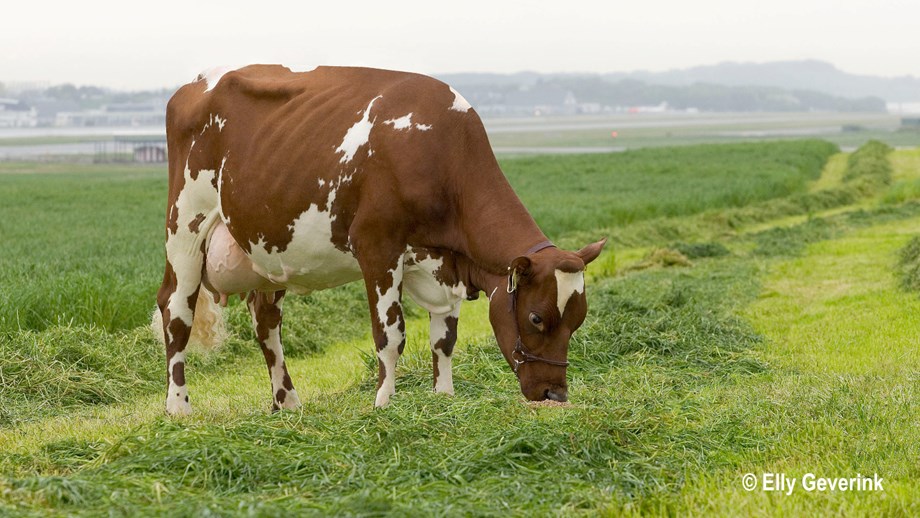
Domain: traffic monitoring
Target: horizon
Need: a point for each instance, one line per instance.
(168, 46)
(4, 81)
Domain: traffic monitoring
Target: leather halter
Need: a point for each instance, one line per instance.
(519, 349)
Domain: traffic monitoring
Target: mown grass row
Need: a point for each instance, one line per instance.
(867, 173)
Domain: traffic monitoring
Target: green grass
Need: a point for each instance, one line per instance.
(566, 193)
(788, 346)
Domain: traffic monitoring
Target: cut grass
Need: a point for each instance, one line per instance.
(429, 453)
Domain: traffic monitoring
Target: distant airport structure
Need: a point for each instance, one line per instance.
(16, 114)
(113, 115)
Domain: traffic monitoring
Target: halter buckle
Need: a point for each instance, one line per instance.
(512, 281)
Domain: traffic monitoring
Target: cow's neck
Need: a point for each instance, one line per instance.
(496, 226)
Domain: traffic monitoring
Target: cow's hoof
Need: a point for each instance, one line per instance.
(291, 402)
(383, 398)
(178, 407)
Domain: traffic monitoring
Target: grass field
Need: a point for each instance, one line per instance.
(656, 130)
(787, 346)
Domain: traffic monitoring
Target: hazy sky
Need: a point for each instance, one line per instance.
(167, 42)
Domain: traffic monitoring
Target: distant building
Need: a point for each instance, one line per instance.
(16, 114)
(114, 115)
(904, 108)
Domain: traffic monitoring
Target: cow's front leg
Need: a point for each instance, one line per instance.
(265, 309)
(443, 337)
(384, 295)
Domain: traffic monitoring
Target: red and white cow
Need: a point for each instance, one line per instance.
(283, 181)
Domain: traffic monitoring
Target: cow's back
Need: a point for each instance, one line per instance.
(300, 156)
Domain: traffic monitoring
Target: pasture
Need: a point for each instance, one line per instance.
(783, 341)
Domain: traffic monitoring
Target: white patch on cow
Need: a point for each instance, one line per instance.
(176, 396)
(460, 104)
(213, 120)
(439, 330)
(389, 353)
(220, 186)
(301, 69)
(321, 182)
(310, 261)
(213, 76)
(404, 122)
(331, 198)
(183, 248)
(422, 285)
(357, 135)
(445, 382)
(568, 284)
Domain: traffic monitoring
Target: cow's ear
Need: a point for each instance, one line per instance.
(521, 266)
(519, 270)
(590, 252)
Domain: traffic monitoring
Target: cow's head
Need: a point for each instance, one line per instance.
(543, 305)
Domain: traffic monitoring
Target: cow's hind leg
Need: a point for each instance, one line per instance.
(176, 300)
(443, 337)
(189, 217)
(265, 309)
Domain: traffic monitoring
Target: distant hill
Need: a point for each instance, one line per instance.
(810, 75)
(528, 93)
(813, 75)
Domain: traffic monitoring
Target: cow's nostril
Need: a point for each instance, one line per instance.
(561, 396)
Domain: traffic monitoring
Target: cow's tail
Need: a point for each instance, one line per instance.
(209, 331)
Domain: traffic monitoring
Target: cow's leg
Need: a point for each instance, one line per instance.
(176, 299)
(265, 309)
(189, 217)
(383, 282)
(443, 336)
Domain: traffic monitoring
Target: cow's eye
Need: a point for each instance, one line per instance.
(536, 320)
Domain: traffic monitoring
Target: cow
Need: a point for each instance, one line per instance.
(283, 181)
